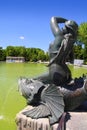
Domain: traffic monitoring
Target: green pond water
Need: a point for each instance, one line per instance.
(11, 102)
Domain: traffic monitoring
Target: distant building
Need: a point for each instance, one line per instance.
(11, 59)
(78, 62)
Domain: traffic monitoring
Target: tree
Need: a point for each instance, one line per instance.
(82, 33)
(78, 52)
(2, 54)
(10, 51)
(82, 37)
(30, 54)
(20, 51)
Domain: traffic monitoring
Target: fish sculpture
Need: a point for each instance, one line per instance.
(49, 100)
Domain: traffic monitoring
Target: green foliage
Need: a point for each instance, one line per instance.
(82, 33)
(82, 37)
(35, 54)
(15, 51)
(85, 54)
(30, 54)
(2, 54)
(78, 52)
(10, 51)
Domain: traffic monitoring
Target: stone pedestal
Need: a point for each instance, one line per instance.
(76, 121)
(72, 121)
(27, 123)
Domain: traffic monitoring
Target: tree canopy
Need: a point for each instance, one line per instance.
(82, 33)
(80, 51)
(30, 54)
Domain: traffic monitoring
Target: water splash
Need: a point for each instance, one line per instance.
(1, 117)
(6, 97)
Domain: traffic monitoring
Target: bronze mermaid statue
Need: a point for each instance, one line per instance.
(55, 92)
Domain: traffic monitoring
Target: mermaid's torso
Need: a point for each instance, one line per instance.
(54, 46)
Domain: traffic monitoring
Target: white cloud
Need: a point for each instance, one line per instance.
(21, 37)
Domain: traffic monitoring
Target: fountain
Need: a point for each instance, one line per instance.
(52, 95)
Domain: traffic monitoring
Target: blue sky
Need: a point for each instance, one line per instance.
(27, 22)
